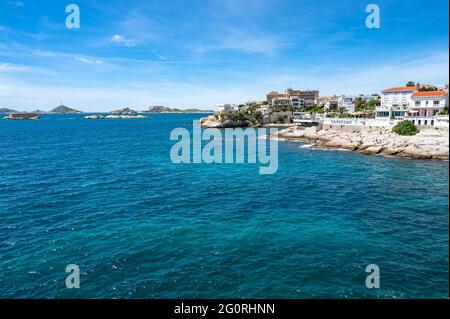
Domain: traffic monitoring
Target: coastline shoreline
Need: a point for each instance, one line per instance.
(427, 144)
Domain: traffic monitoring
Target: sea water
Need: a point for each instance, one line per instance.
(104, 195)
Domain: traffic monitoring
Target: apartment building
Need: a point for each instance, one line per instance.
(395, 102)
(294, 97)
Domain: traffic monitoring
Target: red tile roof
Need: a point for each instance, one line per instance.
(402, 88)
(430, 93)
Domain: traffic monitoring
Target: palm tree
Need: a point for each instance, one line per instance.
(359, 104)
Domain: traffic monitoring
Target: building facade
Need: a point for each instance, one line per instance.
(426, 106)
(294, 97)
(227, 108)
(346, 102)
(420, 107)
(395, 102)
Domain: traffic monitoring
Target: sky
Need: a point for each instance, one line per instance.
(200, 53)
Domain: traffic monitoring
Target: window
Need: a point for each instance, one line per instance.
(432, 122)
(426, 102)
(418, 122)
(382, 114)
(436, 103)
(417, 103)
(425, 122)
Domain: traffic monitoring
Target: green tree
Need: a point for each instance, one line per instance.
(428, 88)
(406, 128)
(342, 110)
(410, 83)
(360, 104)
(444, 111)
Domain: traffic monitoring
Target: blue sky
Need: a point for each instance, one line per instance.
(201, 53)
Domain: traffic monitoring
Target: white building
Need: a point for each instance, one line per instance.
(425, 106)
(294, 97)
(227, 108)
(281, 101)
(395, 102)
(420, 107)
(347, 103)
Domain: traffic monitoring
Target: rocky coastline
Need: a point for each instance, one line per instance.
(216, 121)
(429, 143)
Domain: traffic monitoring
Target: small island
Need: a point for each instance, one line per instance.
(125, 113)
(34, 115)
(22, 116)
(5, 110)
(62, 109)
(165, 109)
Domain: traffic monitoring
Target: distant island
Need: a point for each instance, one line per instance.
(125, 111)
(62, 109)
(5, 110)
(22, 116)
(165, 109)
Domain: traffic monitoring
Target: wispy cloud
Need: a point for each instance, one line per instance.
(244, 43)
(88, 60)
(9, 67)
(120, 39)
(16, 3)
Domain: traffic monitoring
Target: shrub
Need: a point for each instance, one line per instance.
(444, 111)
(405, 128)
(280, 119)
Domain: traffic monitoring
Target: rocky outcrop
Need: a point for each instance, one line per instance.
(22, 116)
(94, 117)
(165, 109)
(115, 117)
(427, 144)
(124, 111)
(218, 122)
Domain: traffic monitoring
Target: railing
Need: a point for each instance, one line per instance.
(358, 122)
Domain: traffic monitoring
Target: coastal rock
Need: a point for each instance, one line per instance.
(371, 150)
(22, 116)
(118, 117)
(429, 143)
(124, 111)
(213, 122)
(94, 117)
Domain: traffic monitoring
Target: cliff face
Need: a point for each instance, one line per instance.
(427, 144)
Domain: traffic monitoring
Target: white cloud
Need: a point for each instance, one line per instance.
(16, 3)
(246, 44)
(117, 38)
(89, 60)
(237, 85)
(8, 67)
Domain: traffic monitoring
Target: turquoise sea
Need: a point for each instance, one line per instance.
(103, 194)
